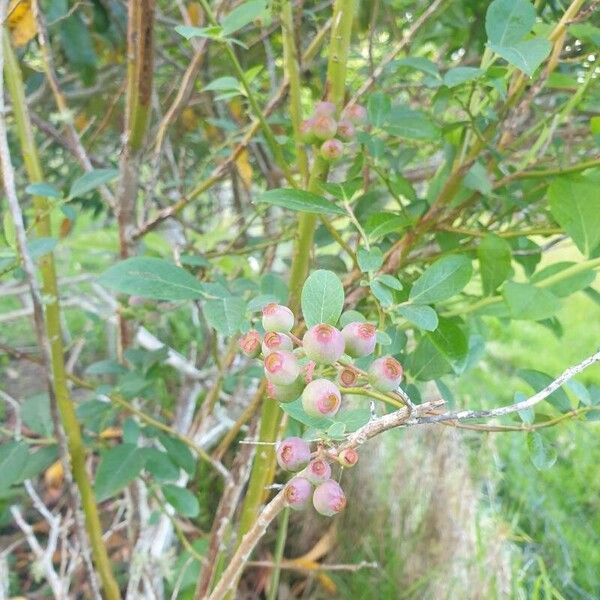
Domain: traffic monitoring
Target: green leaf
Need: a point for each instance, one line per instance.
(419, 63)
(541, 454)
(389, 281)
(423, 316)
(427, 362)
(381, 224)
(274, 285)
(91, 180)
(37, 462)
(351, 316)
(378, 108)
(118, 467)
(322, 298)
(13, 458)
(494, 254)
(382, 292)
(222, 84)
(300, 201)
(575, 204)
(43, 189)
(509, 21)
(189, 32)
(369, 260)
(527, 302)
(538, 381)
(160, 465)
(35, 412)
(226, 315)
(450, 339)
(39, 247)
(527, 55)
(179, 453)
(568, 285)
(477, 179)
(182, 500)
(443, 279)
(242, 15)
(411, 124)
(152, 278)
(459, 75)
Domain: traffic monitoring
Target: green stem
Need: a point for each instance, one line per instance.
(279, 548)
(263, 467)
(292, 69)
(75, 446)
(359, 391)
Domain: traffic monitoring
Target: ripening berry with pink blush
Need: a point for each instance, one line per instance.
(277, 318)
(293, 454)
(348, 457)
(281, 367)
(323, 343)
(306, 132)
(324, 127)
(355, 113)
(347, 377)
(360, 338)
(332, 150)
(276, 341)
(321, 398)
(385, 374)
(329, 498)
(346, 130)
(250, 344)
(325, 108)
(318, 471)
(297, 492)
(285, 393)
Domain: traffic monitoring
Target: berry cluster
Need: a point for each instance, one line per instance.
(307, 372)
(323, 130)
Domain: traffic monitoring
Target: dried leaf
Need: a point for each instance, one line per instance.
(21, 22)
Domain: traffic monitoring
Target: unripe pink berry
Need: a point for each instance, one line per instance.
(277, 318)
(348, 457)
(250, 344)
(281, 367)
(309, 371)
(329, 498)
(318, 471)
(346, 130)
(355, 113)
(324, 127)
(332, 150)
(276, 341)
(385, 374)
(360, 338)
(285, 393)
(306, 132)
(323, 343)
(293, 454)
(347, 377)
(325, 108)
(321, 398)
(297, 493)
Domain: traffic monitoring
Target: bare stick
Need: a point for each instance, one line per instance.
(463, 415)
(231, 574)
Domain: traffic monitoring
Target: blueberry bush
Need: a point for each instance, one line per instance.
(243, 239)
